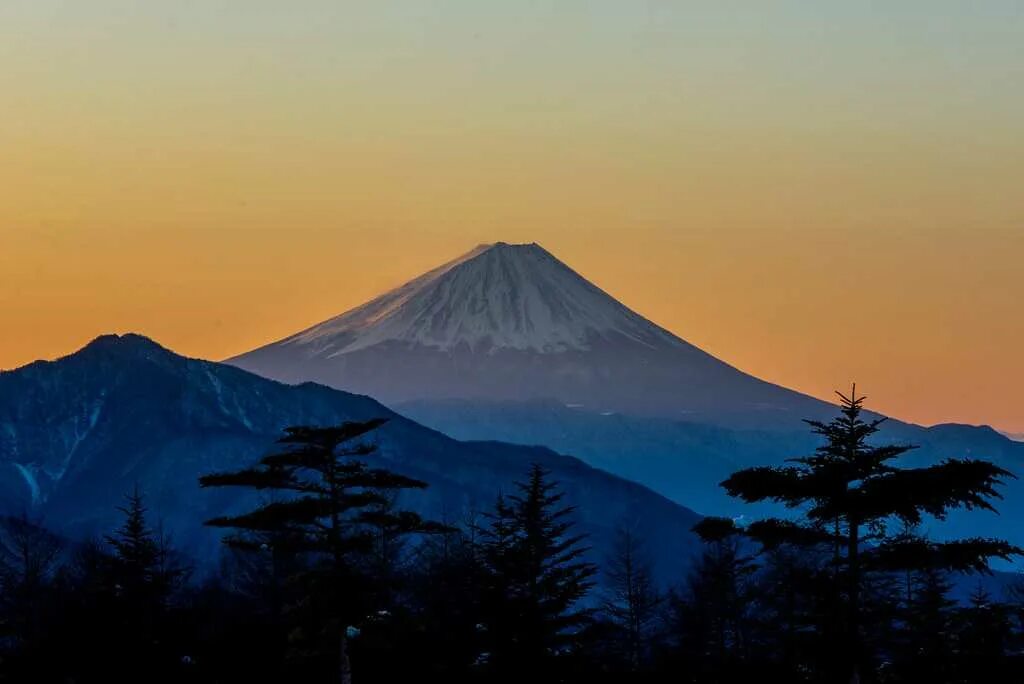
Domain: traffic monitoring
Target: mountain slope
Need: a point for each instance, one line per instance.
(685, 461)
(508, 343)
(494, 297)
(512, 322)
(77, 433)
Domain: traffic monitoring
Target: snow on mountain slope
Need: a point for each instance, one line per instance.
(498, 296)
(512, 322)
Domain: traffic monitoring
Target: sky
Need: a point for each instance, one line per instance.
(815, 192)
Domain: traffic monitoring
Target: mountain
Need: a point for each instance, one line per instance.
(76, 434)
(685, 461)
(512, 323)
(507, 342)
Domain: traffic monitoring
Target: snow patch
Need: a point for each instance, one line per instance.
(218, 389)
(79, 436)
(30, 480)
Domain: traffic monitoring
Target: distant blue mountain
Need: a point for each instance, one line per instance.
(685, 461)
(507, 342)
(76, 434)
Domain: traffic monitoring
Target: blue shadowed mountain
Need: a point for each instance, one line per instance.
(507, 342)
(79, 432)
(685, 461)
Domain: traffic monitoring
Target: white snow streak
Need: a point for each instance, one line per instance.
(94, 416)
(218, 388)
(30, 480)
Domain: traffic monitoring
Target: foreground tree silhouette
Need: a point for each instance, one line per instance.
(329, 508)
(849, 493)
(29, 555)
(534, 579)
(145, 573)
(146, 568)
(631, 597)
(713, 616)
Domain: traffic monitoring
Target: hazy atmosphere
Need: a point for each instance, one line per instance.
(815, 193)
(503, 341)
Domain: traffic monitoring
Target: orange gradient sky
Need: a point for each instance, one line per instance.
(814, 192)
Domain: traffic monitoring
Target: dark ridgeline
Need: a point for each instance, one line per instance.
(79, 432)
(328, 578)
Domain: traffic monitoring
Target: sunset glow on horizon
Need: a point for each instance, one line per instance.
(814, 194)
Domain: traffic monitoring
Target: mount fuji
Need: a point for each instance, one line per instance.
(507, 342)
(513, 323)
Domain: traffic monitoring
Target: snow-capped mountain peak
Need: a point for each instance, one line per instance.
(496, 296)
(511, 322)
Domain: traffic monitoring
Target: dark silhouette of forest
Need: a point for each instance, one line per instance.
(327, 578)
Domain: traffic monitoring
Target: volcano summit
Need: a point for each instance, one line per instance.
(512, 322)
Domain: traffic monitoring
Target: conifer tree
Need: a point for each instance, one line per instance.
(982, 639)
(631, 598)
(145, 572)
(330, 506)
(535, 578)
(147, 569)
(793, 604)
(135, 547)
(924, 643)
(849, 493)
(448, 595)
(714, 613)
(29, 555)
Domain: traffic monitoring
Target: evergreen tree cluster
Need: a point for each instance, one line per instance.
(330, 577)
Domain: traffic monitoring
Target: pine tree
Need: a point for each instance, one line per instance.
(147, 569)
(135, 547)
(535, 578)
(848, 493)
(924, 642)
(330, 508)
(449, 588)
(983, 635)
(144, 574)
(714, 612)
(793, 603)
(29, 555)
(389, 529)
(631, 597)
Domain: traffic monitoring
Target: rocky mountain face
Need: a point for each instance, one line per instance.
(79, 432)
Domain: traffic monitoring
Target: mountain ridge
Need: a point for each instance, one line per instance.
(124, 410)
